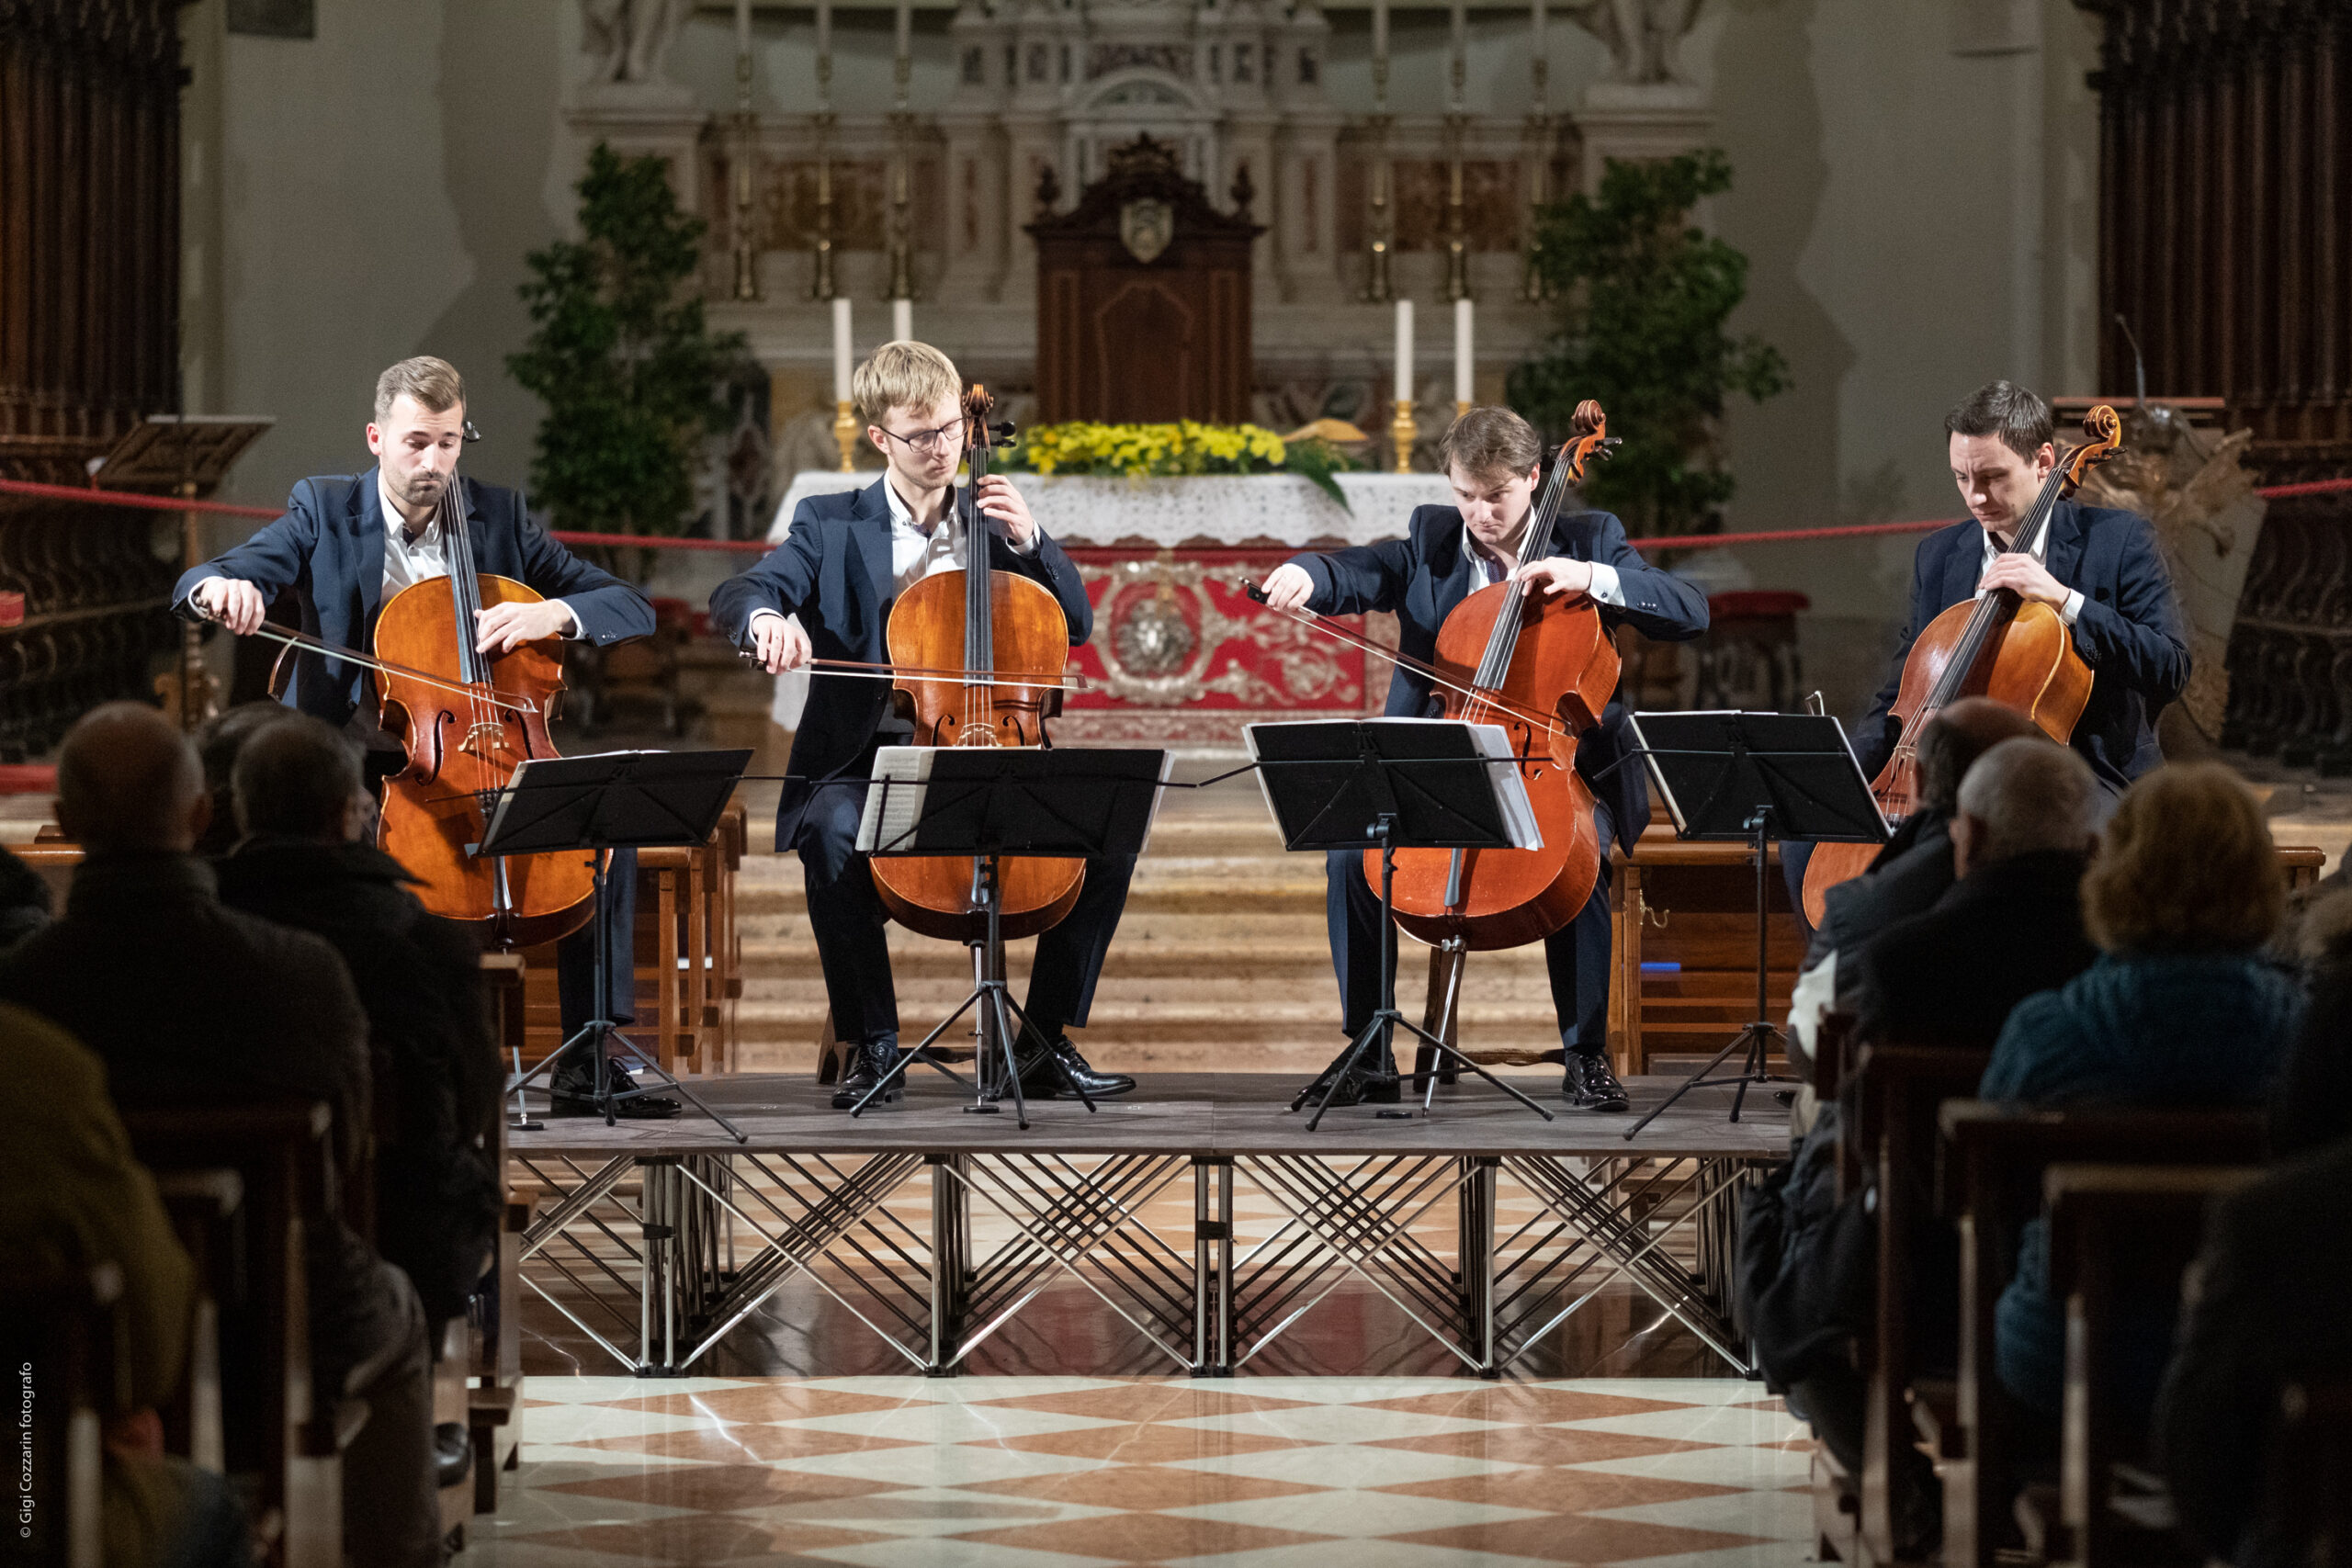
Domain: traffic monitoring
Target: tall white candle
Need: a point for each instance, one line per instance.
(825, 54)
(1457, 62)
(906, 28)
(1380, 31)
(1404, 349)
(841, 348)
(902, 320)
(742, 26)
(1536, 11)
(1465, 365)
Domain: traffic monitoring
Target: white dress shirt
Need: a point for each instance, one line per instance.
(917, 550)
(2067, 611)
(408, 562)
(1605, 590)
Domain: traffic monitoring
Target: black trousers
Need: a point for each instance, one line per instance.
(1576, 954)
(847, 916)
(575, 955)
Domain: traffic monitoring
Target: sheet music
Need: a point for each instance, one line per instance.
(1491, 740)
(892, 812)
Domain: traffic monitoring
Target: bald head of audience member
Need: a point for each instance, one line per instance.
(2024, 796)
(129, 782)
(298, 779)
(1955, 738)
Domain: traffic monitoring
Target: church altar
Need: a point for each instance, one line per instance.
(1181, 655)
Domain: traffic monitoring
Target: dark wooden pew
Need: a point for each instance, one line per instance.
(1890, 1142)
(64, 1328)
(279, 1429)
(2117, 1233)
(1991, 1160)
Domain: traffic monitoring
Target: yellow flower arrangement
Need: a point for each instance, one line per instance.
(1146, 451)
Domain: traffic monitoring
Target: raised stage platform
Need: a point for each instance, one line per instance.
(675, 1226)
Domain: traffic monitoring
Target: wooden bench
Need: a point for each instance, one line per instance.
(1889, 1142)
(2117, 1234)
(64, 1328)
(1990, 1164)
(279, 1428)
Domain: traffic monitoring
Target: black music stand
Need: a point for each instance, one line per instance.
(609, 801)
(1758, 776)
(988, 802)
(1420, 784)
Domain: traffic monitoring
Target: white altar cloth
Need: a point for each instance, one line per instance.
(1225, 509)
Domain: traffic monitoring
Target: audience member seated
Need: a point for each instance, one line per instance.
(1910, 873)
(2181, 1010)
(2019, 827)
(2312, 1107)
(298, 798)
(188, 1001)
(217, 745)
(2025, 825)
(2264, 1309)
(75, 1198)
(25, 903)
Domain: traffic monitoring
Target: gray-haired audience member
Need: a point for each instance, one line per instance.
(188, 1001)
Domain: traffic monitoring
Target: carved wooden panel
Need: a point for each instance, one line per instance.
(89, 343)
(2226, 241)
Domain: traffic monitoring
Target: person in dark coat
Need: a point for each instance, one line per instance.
(1493, 459)
(349, 543)
(1910, 873)
(2022, 833)
(188, 1001)
(436, 1070)
(827, 593)
(2182, 1011)
(2262, 1310)
(2098, 567)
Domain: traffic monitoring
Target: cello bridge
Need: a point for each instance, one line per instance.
(481, 739)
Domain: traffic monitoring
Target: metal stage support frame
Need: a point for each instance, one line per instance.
(674, 1250)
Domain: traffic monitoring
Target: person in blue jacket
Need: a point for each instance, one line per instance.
(349, 543)
(1493, 459)
(2099, 567)
(826, 592)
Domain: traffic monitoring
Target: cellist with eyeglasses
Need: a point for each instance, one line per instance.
(1493, 460)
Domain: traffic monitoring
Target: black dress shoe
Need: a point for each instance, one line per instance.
(1040, 1080)
(573, 1093)
(873, 1061)
(1591, 1085)
(1371, 1081)
(453, 1453)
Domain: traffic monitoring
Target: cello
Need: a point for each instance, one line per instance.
(1010, 635)
(466, 720)
(1544, 671)
(1999, 646)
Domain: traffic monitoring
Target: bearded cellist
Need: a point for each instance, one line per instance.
(347, 544)
(1493, 459)
(2098, 567)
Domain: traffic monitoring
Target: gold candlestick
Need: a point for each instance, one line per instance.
(1460, 407)
(845, 434)
(1402, 431)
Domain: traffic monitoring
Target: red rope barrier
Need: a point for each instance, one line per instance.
(760, 546)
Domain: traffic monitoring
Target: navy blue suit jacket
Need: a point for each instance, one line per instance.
(1420, 579)
(2128, 632)
(833, 571)
(329, 548)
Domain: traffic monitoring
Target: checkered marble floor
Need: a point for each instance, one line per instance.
(1072, 1471)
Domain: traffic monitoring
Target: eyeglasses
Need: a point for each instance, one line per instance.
(927, 441)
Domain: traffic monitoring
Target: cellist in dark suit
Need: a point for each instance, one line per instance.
(1493, 457)
(826, 592)
(2100, 569)
(349, 542)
